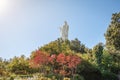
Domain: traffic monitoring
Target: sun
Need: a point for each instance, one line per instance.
(3, 6)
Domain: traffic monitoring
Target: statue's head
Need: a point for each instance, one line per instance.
(65, 22)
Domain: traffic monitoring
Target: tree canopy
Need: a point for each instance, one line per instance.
(67, 47)
(112, 34)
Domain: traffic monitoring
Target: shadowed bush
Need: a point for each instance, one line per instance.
(88, 71)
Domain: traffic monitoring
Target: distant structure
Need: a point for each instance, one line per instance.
(64, 31)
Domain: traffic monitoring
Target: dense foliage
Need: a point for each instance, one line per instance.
(19, 65)
(112, 35)
(60, 64)
(98, 52)
(69, 60)
(67, 47)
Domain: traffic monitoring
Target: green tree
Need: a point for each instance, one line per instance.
(107, 61)
(98, 51)
(3, 68)
(112, 34)
(77, 46)
(19, 65)
(112, 37)
(67, 47)
(56, 47)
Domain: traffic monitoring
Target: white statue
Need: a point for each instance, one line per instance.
(64, 31)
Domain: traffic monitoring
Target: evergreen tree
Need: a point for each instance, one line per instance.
(112, 37)
(112, 34)
(77, 46)
(98, 51)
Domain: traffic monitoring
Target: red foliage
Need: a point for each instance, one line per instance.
(63, 72)
(69, 62)
(61, 59)
(39, 59)
(72, 61)
(52, 59)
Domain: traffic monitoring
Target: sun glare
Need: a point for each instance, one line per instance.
(3, 6)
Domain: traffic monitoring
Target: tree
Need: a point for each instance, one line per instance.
(112, 34)
(56, 47)
(112, 37)
(19, 65)
(67, 64)
(59, 64)
(67, 47)
(107, 61)
(98, 51)
(3, 67)
(77, 46)
(39, 61)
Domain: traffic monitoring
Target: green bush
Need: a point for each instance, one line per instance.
(78, 77)
(88, 71)
(24, 76)
(11, 78)
(115, 69)
(109, 76)
(4, 78)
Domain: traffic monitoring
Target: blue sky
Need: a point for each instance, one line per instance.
(26, 25)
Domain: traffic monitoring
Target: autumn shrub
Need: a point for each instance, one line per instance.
(67, 64)
(55, 64)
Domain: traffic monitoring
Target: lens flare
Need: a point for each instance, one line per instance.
(3, 6)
